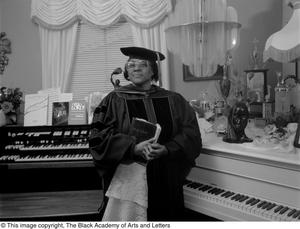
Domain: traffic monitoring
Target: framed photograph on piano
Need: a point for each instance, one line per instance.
(256, 84)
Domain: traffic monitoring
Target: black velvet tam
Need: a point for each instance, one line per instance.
(142, 53)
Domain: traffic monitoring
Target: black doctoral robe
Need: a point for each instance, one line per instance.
(110, 143)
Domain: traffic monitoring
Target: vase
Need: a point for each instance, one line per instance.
(11, 118)
(2, 118)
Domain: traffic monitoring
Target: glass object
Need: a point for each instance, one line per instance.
(282, 96)
(204, 102)
(137, 63)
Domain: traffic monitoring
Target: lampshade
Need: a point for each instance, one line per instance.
(284, 45)
(202, 33)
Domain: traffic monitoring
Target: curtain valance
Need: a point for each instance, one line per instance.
(59, 14)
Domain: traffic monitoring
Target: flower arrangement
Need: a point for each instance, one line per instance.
(10, 99)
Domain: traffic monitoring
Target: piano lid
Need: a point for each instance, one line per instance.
(274, 154)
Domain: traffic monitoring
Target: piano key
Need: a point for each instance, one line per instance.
(284, 216)
(237, 202)
(215, 195)
(266, 205)
(289, 214)
(240, 198)
(253, 207)
(242, 202)
(256, 208)
(278, 208)
(256, 201)
(250, 201)
(194, 185)
(205, 188)
(226, 193)
(297, 214)
(281, 214)
(283, 210)
(292, 211)
(229, 194)
(261, 204)
(263, 211)
(212, 190)
(294, 216)
(197, 185)
(220, 191)
(269, 211)
(271, 206)
(244, 198)
(235, 196)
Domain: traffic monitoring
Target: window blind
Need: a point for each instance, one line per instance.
(96, 56)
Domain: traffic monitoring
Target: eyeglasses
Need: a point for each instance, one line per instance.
(137, 63)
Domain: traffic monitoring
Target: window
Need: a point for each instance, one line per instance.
(97, 55)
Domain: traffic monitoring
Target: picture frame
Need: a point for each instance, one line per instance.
(188, 76)
(297, 136)
(256, 81)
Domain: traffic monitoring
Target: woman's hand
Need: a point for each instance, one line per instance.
(155, 150)
(139, 149)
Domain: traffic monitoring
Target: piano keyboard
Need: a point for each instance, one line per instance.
(229, 205)
(46, 157)
(48, 147)
(45, 144)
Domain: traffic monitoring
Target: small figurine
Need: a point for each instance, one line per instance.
(255, 55)
(268, 95)
(237, 122)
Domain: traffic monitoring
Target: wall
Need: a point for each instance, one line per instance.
(1, 16)
(259, 19)
(25, 67)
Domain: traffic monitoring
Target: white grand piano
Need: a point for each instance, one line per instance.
(242, 182)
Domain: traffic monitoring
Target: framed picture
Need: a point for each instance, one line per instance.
(256, 84)
(188, 76)
(297, 137)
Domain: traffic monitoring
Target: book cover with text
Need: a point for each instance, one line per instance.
(77, 112)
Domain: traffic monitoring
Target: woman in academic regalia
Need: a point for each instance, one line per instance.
(144, 180)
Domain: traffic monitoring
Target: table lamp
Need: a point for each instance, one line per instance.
(284, 46)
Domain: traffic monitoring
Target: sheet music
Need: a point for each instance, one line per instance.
(35, 111)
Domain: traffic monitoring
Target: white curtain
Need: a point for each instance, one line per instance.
(154, 38)
(61, 13)
(58, 48)
(58, 20)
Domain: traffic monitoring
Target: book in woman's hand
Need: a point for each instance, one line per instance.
(144, 130)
